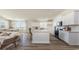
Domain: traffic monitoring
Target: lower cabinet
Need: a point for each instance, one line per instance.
(72, 38)
(64, 36)
(61, 35)
(41, 37)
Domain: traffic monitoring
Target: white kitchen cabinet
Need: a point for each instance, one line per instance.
(71, 18)
(68, 19)
(64, 36)
(40, 37)
(61, 35)
(76, 17)
(72, 38)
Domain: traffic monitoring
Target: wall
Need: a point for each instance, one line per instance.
(32, 24)
(50, 27)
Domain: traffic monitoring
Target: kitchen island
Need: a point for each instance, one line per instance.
(41, 36)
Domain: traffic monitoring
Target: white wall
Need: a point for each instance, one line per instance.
(50, 27)
(32, 24)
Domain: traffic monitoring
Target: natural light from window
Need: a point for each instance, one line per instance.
(20, 25)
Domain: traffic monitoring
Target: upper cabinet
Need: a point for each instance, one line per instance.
(71, 18)
(68, 19)
(76, 17)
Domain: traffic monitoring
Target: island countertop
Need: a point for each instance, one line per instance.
(40, 31)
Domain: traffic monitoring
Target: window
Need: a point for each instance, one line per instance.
(4, 24)
(19, 25)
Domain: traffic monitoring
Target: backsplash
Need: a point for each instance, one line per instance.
(74, 28)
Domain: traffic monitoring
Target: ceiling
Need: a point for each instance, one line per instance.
(30, 14)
